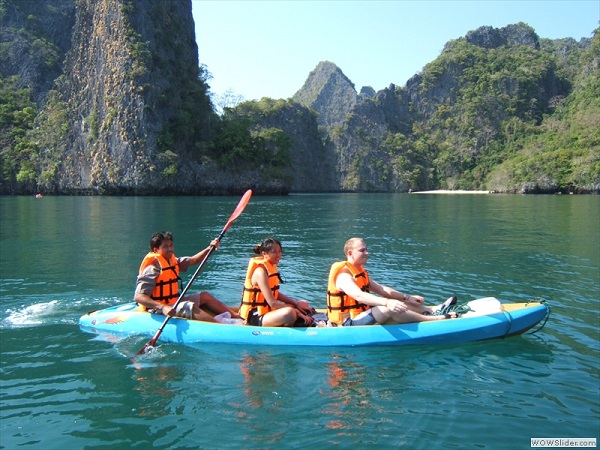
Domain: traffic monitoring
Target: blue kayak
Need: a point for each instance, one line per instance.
(504, 319)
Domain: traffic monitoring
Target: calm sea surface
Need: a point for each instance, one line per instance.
(64, 389)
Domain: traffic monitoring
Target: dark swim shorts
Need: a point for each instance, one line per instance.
(365, 318)
(254, 319)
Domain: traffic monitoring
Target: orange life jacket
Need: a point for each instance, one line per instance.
(339, 305)
(166, 289)
(252, 296)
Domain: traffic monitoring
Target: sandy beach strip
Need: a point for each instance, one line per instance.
(447, 191)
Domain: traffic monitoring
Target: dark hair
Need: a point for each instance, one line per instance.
(157, 239)
(267, 245)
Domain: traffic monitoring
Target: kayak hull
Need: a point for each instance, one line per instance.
(127, 319)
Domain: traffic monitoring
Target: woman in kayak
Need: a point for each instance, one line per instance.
(263, 304)
(351, 299)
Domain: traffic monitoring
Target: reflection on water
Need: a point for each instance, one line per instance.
(153, 387)
(345, 378)
(259, 378)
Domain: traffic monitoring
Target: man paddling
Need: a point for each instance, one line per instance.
(351, 298)
(158, 279)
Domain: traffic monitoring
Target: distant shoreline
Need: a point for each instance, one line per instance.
(447, 191)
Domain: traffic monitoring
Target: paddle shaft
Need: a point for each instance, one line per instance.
(238, 210)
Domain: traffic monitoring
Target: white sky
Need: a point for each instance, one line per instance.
(268, 48)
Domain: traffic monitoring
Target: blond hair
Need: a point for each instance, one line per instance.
(351, 243)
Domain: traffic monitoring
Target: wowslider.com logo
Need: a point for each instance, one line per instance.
(563, 442)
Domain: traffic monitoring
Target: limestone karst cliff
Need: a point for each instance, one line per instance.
(108, 97)
(468, 119)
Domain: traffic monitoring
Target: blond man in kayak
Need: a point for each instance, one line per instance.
(355, 299)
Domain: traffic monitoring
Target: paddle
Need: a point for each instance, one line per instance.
(238, 210)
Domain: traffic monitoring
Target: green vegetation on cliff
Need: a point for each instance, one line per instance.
(509, 108)
(17, 115)
(563, 153)
(499, 109)
(117, 103)
(241, 144)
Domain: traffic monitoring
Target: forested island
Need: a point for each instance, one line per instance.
(107, 97)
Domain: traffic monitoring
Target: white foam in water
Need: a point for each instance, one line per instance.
(32, 314)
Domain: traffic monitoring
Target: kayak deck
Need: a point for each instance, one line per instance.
(127, 319)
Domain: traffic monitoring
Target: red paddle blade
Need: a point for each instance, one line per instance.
(238, 210)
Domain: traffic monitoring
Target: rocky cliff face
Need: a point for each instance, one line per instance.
(312, 167)
(132, 104)
(124, 109)
(123, 88)
(354, 125)
(329, 92)
(35, 38)
(512, 35)
(429, 132)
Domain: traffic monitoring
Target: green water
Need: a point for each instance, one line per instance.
(63, 389)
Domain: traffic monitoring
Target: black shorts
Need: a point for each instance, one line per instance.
(254, 319)
(364, 318)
